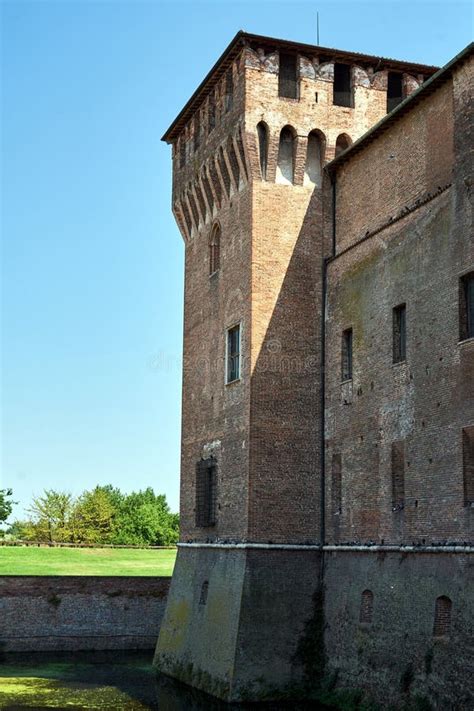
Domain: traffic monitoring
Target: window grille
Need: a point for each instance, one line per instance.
(206, 492)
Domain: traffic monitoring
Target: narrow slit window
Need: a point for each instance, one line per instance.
(342, 85)
(204, 592)
(394, 90)
(466, 306)
(215, 250)
(346, 373)
(442, 619)
(399, 333)
(398, 475)
(366, 607)
(233, 354)
(229, 90)
(336, 484)
(468, 465)
(182, 152)
(262, 132)
(206, 492)
(211, 124)
(288, 76)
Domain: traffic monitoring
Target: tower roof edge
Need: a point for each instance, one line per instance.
(243, 38)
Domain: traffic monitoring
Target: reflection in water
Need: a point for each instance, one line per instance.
(103, 680)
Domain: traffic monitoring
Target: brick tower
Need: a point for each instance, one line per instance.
(242, 620)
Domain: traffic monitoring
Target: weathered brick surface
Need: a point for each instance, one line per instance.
(396, 656)
(80, 612)
(413, 158)
(428, 399)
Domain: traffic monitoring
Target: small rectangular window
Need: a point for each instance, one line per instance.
(346, 373)
(206, 489)
(399, 333)
(342, 95)
(466, 306)
(394, 90)
(336, 484)
(398, 475)
(288, 76)
(233, 353)
(468, 465)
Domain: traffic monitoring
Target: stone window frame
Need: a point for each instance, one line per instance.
(236, 326)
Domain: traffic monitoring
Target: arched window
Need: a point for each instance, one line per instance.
(286, 156)
(262, 132)
(343, 142)
(214, 249)
(366, 606)
(442, 620)
(314, 159)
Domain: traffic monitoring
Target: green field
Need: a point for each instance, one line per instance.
(85, 561)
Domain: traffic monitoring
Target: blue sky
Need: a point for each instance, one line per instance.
(92, 262)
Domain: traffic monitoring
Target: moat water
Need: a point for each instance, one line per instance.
(103, 680)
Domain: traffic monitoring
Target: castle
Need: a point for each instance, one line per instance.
(327, 480)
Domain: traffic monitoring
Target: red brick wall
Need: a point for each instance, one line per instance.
(427, 400)
(412, 158)
(80, 612)
(263, 430)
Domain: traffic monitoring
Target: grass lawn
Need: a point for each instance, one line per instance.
(85, 561)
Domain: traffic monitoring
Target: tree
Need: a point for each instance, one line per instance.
(93, 516)
(144, 518)
(50, 516)
(6, 504)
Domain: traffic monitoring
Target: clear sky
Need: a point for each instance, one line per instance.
(92, 262)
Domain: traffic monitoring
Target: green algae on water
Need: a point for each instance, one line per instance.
(49, 693)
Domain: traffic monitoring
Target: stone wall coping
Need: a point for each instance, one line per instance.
(331, 548)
